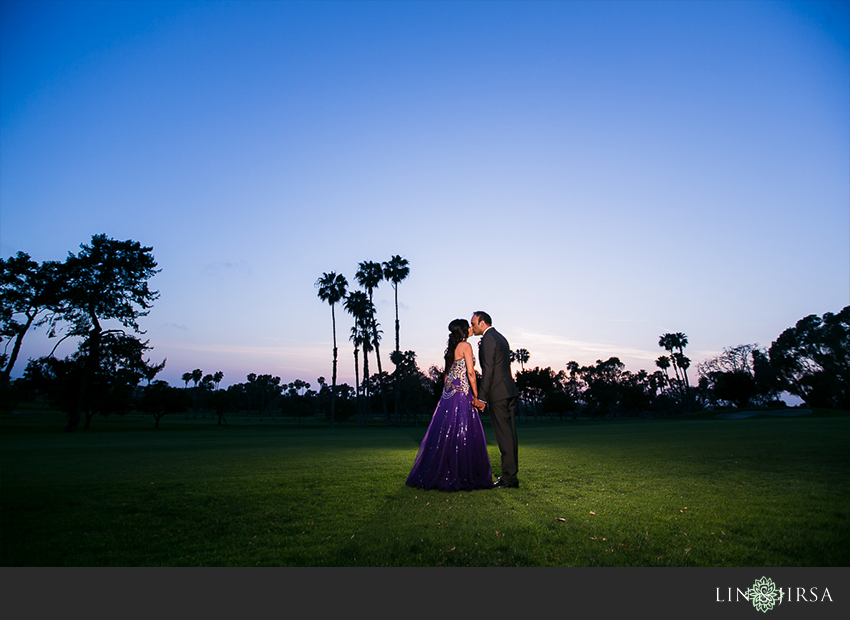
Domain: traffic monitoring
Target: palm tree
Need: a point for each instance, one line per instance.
(684, 363)
(395, 270)
(366, 342)
(521, 356)
(675, 343)
(217, 377)
(360, 339)
(356, 304)
(187, 376)
(680, 341)
(369, 276)
(357, 339)
(666, 343)
(332, 289)
(196, 376)
(663, 363)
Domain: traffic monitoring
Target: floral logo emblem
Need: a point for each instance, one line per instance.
(764, 594)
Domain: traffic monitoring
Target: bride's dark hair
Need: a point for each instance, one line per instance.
(458, 332)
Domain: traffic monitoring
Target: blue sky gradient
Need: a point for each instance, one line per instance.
(593, 174)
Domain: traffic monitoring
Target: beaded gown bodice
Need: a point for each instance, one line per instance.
(457, 381)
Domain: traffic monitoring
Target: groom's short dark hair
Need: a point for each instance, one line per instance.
(483, 317)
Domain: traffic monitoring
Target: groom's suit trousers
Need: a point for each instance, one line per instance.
(502, 417)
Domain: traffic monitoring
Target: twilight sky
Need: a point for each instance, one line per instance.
(592, 174)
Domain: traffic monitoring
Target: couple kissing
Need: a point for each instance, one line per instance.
(453, 454)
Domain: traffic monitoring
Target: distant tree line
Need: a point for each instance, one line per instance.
(98, 294)
(810, 360)
(266, 396)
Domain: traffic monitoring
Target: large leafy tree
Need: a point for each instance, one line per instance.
(111, 386)
(28, 290)
(105, 284)
(414, 387)
(740, 375)
(332, 289)
(611, 389)
(534, 385)
(395, 270)
(735, 386)
(160, 399)
(603, 379)
(812, 359)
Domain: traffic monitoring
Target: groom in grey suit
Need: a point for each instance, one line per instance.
(498, 391)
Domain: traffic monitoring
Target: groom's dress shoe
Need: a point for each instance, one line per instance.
(503, 484)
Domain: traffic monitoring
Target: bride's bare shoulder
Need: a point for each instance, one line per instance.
(461, 348)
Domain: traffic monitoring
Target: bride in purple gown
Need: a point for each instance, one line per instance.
(453, 455)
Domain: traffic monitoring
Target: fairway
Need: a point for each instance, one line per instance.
(701, 492)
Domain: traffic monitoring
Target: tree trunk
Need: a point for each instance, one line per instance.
(395, 288)
(397, 402)
(333, 377)
(19, 339)
(365, 384)
(378, 353)
(358, 404)
(364, 403)
(92, 361)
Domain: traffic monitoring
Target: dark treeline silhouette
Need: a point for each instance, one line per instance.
(265, 397)
(810, 360)
(98, 295)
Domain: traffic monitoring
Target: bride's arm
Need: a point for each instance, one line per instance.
(470, 368)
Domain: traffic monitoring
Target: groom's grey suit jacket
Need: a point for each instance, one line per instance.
(494, 354)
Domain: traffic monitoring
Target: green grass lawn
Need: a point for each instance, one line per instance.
(700, 492)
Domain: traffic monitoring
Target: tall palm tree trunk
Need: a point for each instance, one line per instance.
(356, 374)
(333, 376)
(396, 387)
(395, 288)
(365, 372)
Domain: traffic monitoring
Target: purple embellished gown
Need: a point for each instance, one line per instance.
(453, 455)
